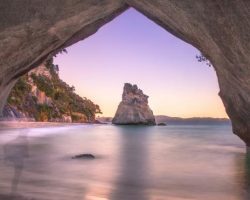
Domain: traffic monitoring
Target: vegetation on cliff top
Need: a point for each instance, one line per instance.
(62, 101)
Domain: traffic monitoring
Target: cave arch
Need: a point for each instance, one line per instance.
(220, 30)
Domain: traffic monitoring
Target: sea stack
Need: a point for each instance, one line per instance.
(134, 108)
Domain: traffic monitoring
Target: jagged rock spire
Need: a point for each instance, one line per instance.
(134, 108)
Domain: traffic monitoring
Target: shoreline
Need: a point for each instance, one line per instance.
(26, 124)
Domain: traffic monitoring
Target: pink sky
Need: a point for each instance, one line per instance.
(131, 48)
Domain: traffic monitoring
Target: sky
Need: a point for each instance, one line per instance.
(134, 49)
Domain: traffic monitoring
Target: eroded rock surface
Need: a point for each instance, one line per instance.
(42, 29)
(134, 108)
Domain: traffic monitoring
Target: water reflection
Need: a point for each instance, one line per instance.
(133, 174)
(15, 154)
(132, 163)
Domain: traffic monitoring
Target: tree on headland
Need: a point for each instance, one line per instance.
(61, 51)
(202, 58)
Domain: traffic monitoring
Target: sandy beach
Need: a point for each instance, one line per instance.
(21, 124)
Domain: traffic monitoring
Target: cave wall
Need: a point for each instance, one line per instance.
(221, 31)
(31, 31)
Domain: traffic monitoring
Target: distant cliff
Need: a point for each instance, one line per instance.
(181, 121)
(191, 121)
(41, 95)
(134, 108)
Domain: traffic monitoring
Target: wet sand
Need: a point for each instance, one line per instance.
(15, 197)
(22, 124)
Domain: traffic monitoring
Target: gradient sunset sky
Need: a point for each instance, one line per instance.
(133, 49)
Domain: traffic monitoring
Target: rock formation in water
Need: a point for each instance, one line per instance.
(134, 108)
(84, 156)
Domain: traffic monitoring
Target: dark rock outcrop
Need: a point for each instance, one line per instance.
(10, 112)
(13, 114)
(133, 108)
(84, 156)
(162, 124)
(219, 29)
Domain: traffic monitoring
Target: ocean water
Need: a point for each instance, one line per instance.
(132, 163)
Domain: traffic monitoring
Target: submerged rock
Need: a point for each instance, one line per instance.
(84, 156)
(134, 108)
(162, 124)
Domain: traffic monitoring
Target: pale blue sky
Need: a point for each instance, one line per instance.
(131, 48)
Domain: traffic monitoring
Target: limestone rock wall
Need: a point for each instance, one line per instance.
(33, 31)
(134, 108)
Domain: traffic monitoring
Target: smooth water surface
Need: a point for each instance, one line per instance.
(132, 163)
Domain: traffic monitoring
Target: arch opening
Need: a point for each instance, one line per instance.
(146, 55)
(163, 66)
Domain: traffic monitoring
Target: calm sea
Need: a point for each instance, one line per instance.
(132, 163)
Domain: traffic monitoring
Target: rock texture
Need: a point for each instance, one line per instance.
(133, 108)
(11, 113)
(219, 29)
(42, 29)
